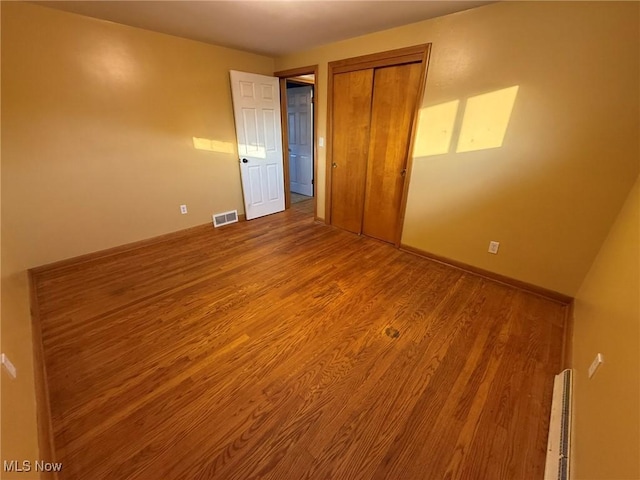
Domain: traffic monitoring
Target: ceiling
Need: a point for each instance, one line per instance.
(265, 26)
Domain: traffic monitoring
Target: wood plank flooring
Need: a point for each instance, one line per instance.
(260, 350)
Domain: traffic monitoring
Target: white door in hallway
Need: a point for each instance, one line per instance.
(300, 123)
(256, 107)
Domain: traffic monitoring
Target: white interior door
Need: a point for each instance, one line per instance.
(256, 107)
(299, 120)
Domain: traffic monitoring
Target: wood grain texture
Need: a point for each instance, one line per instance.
(46, 445)
(412, 54)
(567, 344)
(258, 350)
(284, 125)
(395, 94)
(297, 72)
(351, 110)
(306, 206)
(387, 58)
(527, 287)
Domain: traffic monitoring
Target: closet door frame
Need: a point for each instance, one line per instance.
(414, 54)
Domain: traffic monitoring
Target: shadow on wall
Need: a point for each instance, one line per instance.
(492, 201)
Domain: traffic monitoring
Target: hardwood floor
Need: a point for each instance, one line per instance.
(260, 350)
(297, 198)
(305, 206)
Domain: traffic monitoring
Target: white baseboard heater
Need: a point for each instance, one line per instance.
(559, 442)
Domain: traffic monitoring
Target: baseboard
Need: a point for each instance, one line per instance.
(46, 443)
(567, 340)
(527, 287)
(71, 262)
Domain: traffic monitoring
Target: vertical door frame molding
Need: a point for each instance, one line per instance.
(414, 54)
(283, 75)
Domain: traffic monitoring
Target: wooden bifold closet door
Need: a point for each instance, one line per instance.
(372, 113)
(352, 92)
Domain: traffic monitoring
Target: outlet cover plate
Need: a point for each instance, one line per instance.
(493, 247)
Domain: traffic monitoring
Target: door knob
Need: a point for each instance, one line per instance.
(244, 160)
(403, 172)
(334, 165)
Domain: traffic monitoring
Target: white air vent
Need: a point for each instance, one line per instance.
(224, 218)
(559, 443)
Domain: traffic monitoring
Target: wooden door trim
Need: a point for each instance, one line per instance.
(328, 145)
(399, 56)
(412, 136)
(301, 80)
(296, 72)
(46, 443)
(284, 75)
(413, 54)
(496, 277)
(284, 122)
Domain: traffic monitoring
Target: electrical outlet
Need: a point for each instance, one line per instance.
(9, 367)
(321, 141)
(183, 209)
(493, 247)
(595, 364)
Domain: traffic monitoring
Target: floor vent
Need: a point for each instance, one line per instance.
(225, 218)
(559, 442)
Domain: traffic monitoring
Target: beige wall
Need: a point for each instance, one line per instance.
(19, 440)
(606, 431)
(97, 151)
(570, 154)
(98, 126)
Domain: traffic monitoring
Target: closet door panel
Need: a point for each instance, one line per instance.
(395, 94)
(351, 112)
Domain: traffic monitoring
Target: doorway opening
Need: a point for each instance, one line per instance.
(299, 138)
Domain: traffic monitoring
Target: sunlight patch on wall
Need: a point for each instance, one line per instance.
(485, 120)
(435, 129)
(212, 145)
(484, 124)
